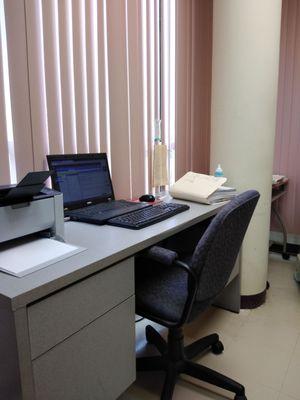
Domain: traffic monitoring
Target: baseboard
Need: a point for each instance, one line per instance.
(253, 301)
(291, 238)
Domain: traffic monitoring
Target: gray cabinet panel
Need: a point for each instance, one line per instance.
(10, 384)
(96, 363)
(58, 316)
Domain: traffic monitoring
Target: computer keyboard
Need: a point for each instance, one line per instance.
(149, 216)
(100, 213)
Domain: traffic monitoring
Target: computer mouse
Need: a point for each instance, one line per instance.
(149, 198)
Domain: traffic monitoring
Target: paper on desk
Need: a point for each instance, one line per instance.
(196, 187)
(28, 256)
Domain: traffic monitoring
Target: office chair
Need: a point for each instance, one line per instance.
(173, 290)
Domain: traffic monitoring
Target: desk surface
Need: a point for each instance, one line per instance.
(105, 245)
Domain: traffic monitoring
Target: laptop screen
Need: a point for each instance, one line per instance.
(82, 178)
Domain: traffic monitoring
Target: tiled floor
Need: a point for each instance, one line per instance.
(262, 347)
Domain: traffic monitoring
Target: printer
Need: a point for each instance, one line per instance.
(29, 208)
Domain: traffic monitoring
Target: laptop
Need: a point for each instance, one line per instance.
(84, 180)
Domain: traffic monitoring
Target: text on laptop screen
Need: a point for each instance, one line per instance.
(82, 180)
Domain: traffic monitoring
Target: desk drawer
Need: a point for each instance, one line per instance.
(58, 316)
(98, 362)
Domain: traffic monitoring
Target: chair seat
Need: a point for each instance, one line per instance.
(161, 289)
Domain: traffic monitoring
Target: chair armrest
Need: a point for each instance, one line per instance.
(193, 287)
(170, 258)
(190, 272)
(161, 255)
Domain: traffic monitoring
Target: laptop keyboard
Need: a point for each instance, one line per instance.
(102, 207)
(100, 213)
(149, 216)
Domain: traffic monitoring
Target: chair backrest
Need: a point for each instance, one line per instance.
(215, 254)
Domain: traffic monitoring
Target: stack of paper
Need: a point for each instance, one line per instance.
(27, 256)
(277, 178)
(202, 188)
(224, 193)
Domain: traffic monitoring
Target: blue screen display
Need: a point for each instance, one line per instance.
(83, 180)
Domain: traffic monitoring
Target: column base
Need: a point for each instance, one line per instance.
(253, 300)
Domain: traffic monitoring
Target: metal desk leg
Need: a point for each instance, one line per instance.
(285, 255)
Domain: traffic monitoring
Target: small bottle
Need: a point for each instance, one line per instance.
(219, 171)
(157, 130)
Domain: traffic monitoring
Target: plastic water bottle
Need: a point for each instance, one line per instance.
(219, 172)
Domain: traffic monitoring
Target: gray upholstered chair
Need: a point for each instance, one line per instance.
(172, 290)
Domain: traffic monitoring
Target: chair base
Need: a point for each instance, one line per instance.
(175, 359)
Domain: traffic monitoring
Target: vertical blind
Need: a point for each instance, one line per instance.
(83, 78)
(96, 75)
(4, 158)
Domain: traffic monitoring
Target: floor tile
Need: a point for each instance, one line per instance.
(146, 387)
(194, 390)
(253, 364)
(282, 305)
(281, 272)
(260, 392)
(297, 348)
(216, 320)
(281, 336)
(283, 396)
(253, 392)
(291, 384)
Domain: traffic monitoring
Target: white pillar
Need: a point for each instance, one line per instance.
(246, 37)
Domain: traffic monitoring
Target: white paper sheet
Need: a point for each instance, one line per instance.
(29, 256)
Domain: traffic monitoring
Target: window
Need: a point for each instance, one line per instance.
(95, 76)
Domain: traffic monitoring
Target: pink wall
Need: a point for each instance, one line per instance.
(287, 145)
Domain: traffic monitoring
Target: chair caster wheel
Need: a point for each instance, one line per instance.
(217, 348)
(285, 256)
(240, 397)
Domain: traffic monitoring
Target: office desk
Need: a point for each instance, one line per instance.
(67, 331)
